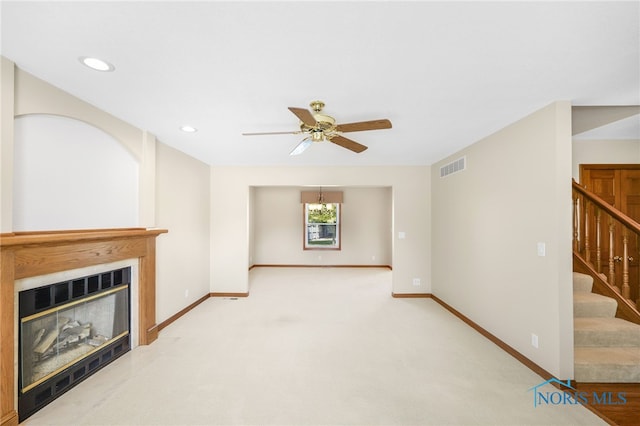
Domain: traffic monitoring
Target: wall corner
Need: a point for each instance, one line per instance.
(147, 181)
(7, 96)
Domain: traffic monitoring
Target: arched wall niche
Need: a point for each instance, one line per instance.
(33, 96)
(36, 96)
(71, 175)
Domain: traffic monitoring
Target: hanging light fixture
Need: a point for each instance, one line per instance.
(320, 197)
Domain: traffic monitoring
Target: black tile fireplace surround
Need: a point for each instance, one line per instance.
(69, 330)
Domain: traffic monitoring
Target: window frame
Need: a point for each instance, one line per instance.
(305, 234)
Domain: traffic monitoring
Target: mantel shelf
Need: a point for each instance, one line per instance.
(70, 236)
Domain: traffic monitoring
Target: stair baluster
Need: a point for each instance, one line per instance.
(587, 240)
(598, 240)
(626, 290)
(590, 213)
(576, 223)
(612, 262)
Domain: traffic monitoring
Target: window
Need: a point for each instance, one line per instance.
(322, 226)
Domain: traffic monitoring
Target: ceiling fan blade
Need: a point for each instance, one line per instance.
(348, 143)
(301, 147)
(304, 115)
(272, 133)
(364, 125)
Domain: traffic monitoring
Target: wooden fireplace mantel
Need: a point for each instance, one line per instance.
(30, 254)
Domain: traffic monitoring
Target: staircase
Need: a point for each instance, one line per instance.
(607, 349)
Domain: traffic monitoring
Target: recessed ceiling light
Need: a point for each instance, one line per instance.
(96, 64)
(188, 129)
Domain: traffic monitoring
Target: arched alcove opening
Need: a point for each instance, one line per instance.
(71, 175)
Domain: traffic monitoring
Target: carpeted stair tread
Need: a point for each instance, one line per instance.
(612, 365)
(602, 332)
(593, 305)
(582, 282)
(606, 348)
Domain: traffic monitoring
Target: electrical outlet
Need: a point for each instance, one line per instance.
(542, 249)
(534, 340)
(373, 257)
(416, 282)
(186, 293)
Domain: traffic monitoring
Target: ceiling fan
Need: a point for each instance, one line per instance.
(320, 127)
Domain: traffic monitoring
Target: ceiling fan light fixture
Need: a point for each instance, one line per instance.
(96, 64)
(301, 147)
(316, 106)
(321, 127)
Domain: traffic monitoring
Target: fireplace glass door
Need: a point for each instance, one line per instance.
(67, 331)
(57, 338)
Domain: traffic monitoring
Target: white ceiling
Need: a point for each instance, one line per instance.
(445, 73)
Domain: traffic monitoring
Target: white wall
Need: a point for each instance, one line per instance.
(365, 228)
(252, 226)
(33, 96)
(487, 222)
(182, 207)
(177, 190)
(604, 152)
(230, 212)
(7, 104)
(71, 175)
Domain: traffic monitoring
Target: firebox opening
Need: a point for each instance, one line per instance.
(68, 331)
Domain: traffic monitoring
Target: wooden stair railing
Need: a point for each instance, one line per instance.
(598, 228)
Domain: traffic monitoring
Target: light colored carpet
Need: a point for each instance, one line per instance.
(607, 349)
(590, 305)
(317, 346)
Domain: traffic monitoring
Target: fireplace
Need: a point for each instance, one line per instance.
(38, 257)
(68, 331)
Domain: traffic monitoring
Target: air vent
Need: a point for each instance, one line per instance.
(453, 167)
